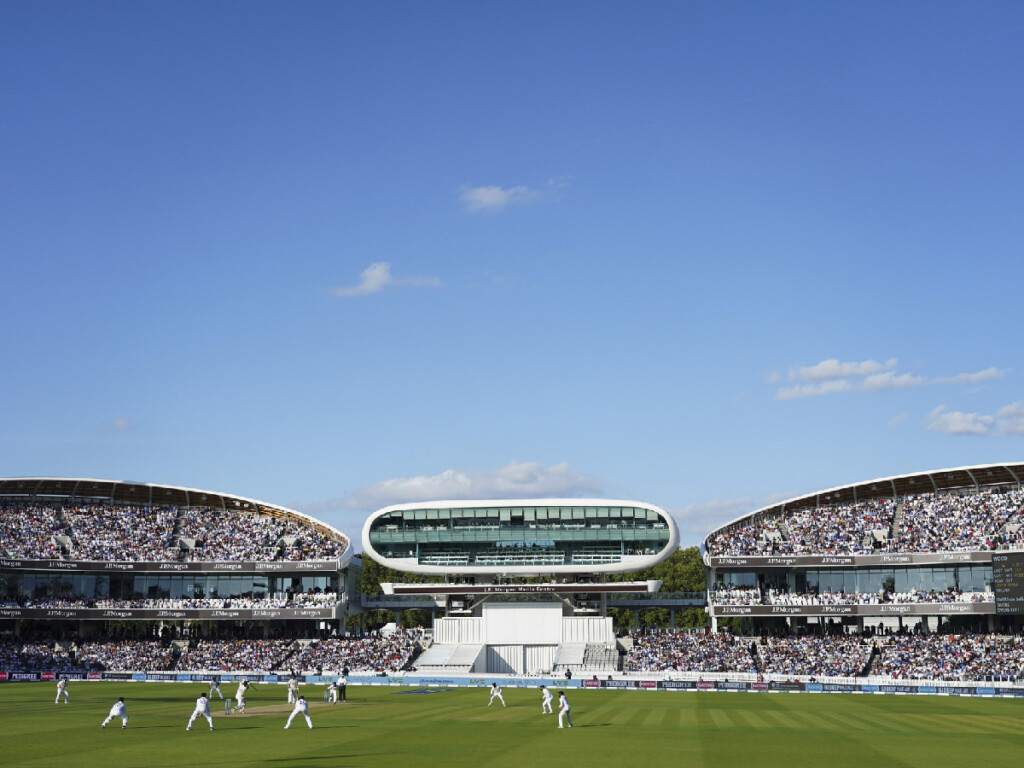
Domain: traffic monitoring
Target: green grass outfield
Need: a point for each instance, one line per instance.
(382, 726)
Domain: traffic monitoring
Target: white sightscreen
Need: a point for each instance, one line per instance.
(523, 623)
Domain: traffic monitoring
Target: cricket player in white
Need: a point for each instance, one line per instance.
(240, 696)
(62, 688)
(496, 693)
(293, 691)
(563, 709)
(545, 701)
(202, 708)
(332, 691)
(118, 710)
(300, 706)
(215, 688)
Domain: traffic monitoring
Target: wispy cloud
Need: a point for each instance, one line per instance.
(516, 480)
(958, 422)
(898, 419)
(1008, 420)
(971, 378)
(833, 376)
(834, 369)
(491, 199)
(122, 425)
(377, 277)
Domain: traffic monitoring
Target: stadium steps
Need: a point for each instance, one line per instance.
(569, 656)
(452, 658)
(787, 535)
(755, 656)
(602, 657)
(897, 521)
(874, 660)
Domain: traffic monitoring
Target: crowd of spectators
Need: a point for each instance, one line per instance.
(108, 532)
(955, 522)
(827, 655)
(899, 657)
(235, 655)
(29, 532)
(951, 657)
(756, 536)
(928, 522)
(121, 533)
(688, 652)
(34, 654)
(733, 596)
(373, 653)
(143, 655)
(724, 594)
(48, 655)
(299, 600)
(845, 529)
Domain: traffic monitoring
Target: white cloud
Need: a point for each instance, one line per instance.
(813, 390)
(834, 369)
(889, 380)
(516, 480)
(972, 378)
(377, 277)
(773, 378)
(832, 376)
(898, 419)
(122, 425)
(1010, 419)
(492, 198)
(958, 423)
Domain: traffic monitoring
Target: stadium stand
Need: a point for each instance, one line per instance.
(926, 522)
(158, 534)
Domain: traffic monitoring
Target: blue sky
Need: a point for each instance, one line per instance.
(341, 255)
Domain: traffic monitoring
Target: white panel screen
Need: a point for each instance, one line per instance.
(528, 624)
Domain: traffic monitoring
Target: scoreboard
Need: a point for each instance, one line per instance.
(1008, 581)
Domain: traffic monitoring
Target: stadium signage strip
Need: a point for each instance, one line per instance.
(275, 566)
(503, 589)
(806, 561)
(404, 681)
(166, 613)
(883, 609)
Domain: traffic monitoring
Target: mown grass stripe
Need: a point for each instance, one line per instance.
(752, 719)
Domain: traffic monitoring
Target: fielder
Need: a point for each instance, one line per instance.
(496, 693)
(300, 706)
(563, 709)
(202, 708)
(62, 688)
(293, 691)
(545, 701)
(215, 688)
(118, 710)
(243, 687)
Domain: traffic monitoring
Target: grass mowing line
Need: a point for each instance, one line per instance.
(752, 719)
